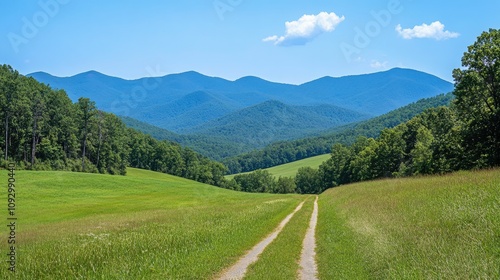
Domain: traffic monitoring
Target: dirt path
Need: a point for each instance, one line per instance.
(238, 270)
(308, 269)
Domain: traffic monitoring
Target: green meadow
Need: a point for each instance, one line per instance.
(149, 225)
(441, 227)
(291, 169)
(145, 225)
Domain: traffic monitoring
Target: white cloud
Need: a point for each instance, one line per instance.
(271, 39)
(306, 28)
(378, 65)
(435, 31)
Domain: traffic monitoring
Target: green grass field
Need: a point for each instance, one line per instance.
(149, 225)
(144, 225)
(444, 227)
(290, 169)
(281, 258)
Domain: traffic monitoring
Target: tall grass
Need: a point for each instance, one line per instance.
(445, 227)
(281, 258)
(145, 225)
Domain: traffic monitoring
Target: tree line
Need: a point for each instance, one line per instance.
(42, 129)
(464, 135)
(427, 144)
(305, 182)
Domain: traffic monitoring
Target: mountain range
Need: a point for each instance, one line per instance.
(250, 111)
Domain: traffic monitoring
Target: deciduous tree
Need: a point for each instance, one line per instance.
(477, 91)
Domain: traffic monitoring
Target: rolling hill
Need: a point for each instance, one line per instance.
(146, 224)
(191, 110)
(180, 102)
(435, 227)
(216, 148)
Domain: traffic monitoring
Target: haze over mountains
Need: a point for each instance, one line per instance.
(250, 110)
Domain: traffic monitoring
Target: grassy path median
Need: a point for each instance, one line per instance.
(281, 258)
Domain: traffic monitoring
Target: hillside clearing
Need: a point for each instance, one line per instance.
(290, 169)
(443, 227)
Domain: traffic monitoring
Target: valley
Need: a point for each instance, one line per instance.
(248, 113)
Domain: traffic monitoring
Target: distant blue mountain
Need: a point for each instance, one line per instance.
(377, 93)
(192, 102)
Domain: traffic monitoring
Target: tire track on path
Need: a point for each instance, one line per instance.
(308, 269)
(238, 270)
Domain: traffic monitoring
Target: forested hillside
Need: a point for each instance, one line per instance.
(223, 149)
(284, 152)
(216, 148)
(271, 121)
(43, 129)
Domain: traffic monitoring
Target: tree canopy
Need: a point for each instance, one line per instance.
(478, 99)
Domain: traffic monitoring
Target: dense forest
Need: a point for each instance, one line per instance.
(465, 135)
(43, 130)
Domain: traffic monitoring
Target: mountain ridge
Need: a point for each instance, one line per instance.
(190, 102)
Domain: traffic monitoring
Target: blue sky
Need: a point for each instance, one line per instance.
(281, 41)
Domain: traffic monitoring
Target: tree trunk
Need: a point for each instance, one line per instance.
(33, 146)
(496, 139)
(25, 153)
(100, 142)
(65, 149)
(83, 153)
(6, 135)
